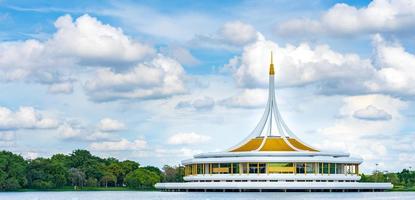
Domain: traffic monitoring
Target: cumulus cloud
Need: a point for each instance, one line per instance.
(63, 88)
(372, 113)
(300, 65)
(121, 145)
(187, 138)
(67, 131)
(380, 16)
(110, 125)
(375, 140)
(180, 153)
(238, 33)
(396, 74)
(388, 71)
(25, 118)
(106, 131)
(80, 42)
(159, 78)
(92, 41)
(353, 128)
(199, 104)
(248, 98)
(182, 55)
(231, 35)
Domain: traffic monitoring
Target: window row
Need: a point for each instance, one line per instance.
(271, 168)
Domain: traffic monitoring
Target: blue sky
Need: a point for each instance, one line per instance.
(158, 81)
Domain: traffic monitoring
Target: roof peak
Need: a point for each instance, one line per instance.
(271, 66)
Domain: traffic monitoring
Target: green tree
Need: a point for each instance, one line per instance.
(12, 171)
(77, 177)
(46, 174)
(141, 179)
(108, 178)
(173, 174)
(116, 170)
(92, 182)
(156, 170)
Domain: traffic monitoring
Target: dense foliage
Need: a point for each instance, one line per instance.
(79, 169)
(403, 179)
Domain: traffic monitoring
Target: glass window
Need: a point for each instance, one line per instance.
(207, 168)
(253, 168)
(325, 168)
(199, 168)
(320, 168)
(352, 169)
(225, 168)
(281, 168)
(332, 168)
(215, 167)
(244, 168)
(235, 168)
(339, 169)
(262, 168)
(310, 168)
(300, 168)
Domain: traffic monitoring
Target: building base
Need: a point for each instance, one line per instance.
(273, 187)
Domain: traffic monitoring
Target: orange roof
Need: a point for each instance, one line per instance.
(272, 143)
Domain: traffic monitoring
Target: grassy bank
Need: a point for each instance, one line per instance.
(400, 188)
(68, 188)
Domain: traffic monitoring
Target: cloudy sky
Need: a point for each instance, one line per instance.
(159, 81)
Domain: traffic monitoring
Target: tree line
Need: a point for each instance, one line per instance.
(80, 169)
(403, 179)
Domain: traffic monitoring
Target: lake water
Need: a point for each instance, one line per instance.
(130, 195)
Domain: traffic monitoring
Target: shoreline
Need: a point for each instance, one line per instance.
(120, 189)
(84, 189)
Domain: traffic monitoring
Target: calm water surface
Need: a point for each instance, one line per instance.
(205, 196)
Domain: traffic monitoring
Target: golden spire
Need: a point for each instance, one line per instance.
(271, 67)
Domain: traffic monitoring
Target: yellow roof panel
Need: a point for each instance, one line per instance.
(272, 144)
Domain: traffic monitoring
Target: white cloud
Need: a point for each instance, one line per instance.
(110, 125)
(161, 77)
(67, 131)
(371, 113)
(350, 127)
(238, 33)
(187, 138)
(121, 145)
(178, 153)
(205, 103)
(377, 141)
(180, 54)
(63, 88)
(200, 104)
(248, 98)
(396, 74)
(380, 16)
(388, 71)
(83, 42)
(231, 36)
(300, 65)
(92, 41)
(77, 132)
(25, 118)
(30, 155)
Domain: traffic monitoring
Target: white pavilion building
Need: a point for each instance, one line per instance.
(272, 158)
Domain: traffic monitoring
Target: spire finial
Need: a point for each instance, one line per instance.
(271, 66)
